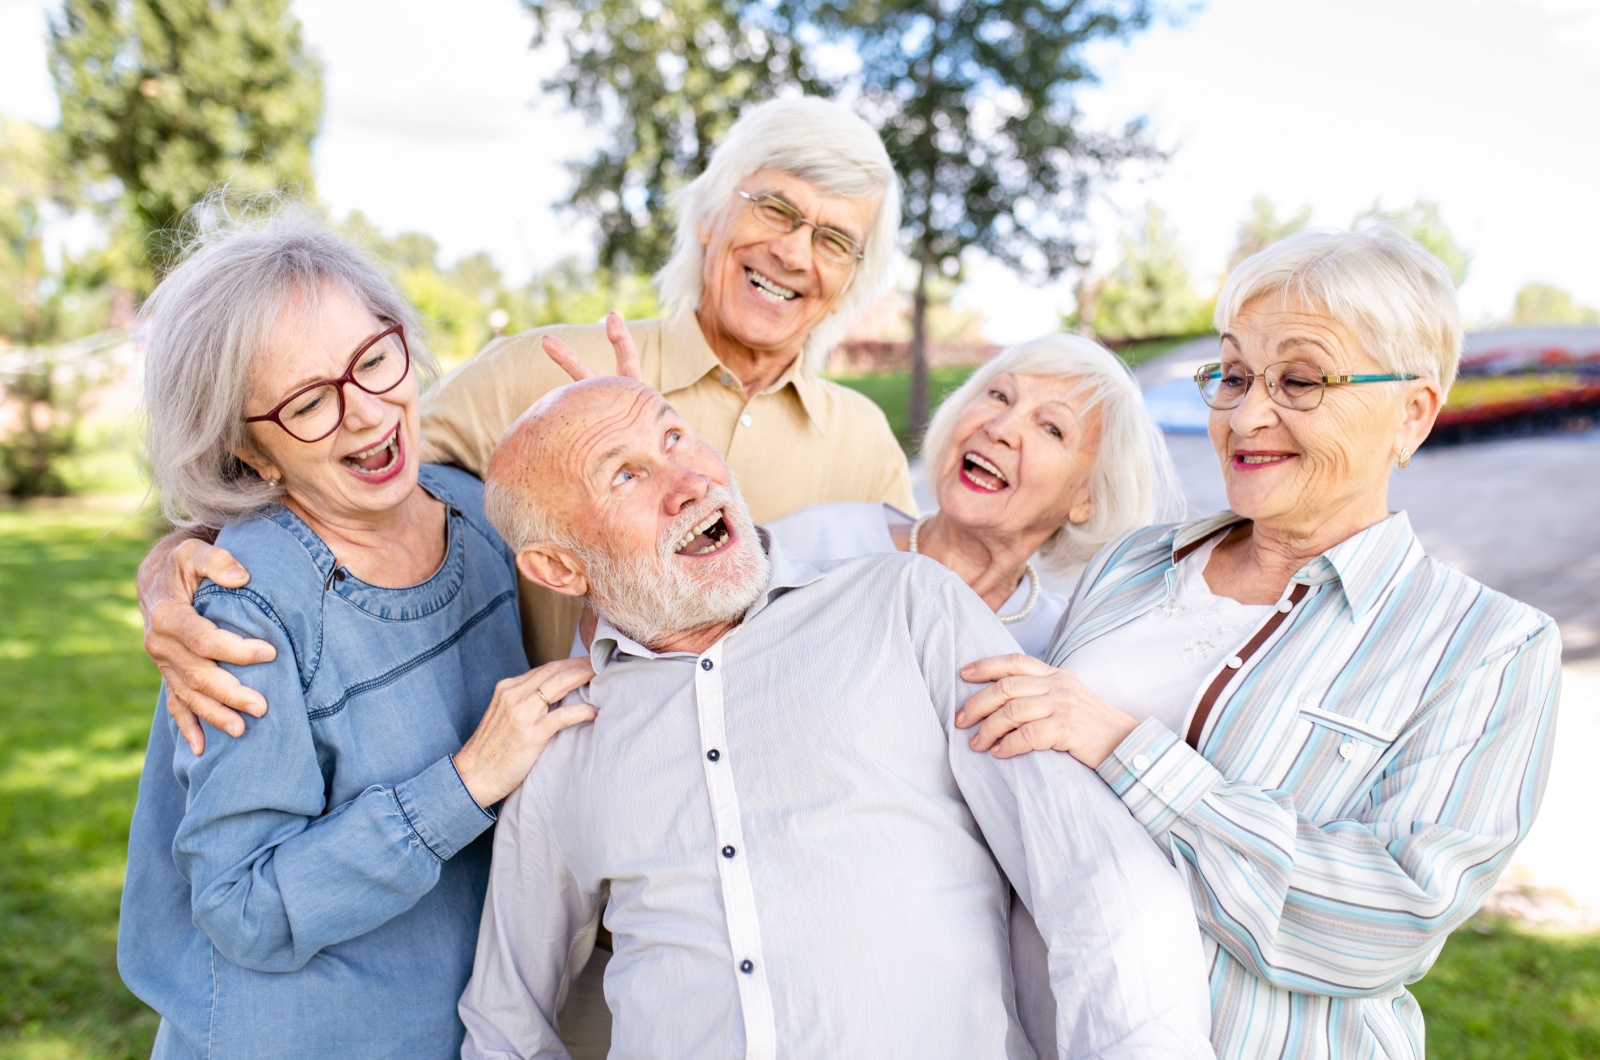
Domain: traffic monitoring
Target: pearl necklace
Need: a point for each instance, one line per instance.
(1033, 576)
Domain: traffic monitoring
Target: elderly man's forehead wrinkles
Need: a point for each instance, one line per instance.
(597, 441)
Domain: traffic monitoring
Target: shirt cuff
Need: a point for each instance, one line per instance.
(1158, 776)
(440, 810)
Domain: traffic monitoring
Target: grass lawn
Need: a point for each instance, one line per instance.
(891, 391)
(76, 696)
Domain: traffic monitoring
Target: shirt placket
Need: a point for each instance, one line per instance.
(1231, 666)
(733, 870)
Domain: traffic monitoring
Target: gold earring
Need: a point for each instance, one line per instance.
(1405, 458)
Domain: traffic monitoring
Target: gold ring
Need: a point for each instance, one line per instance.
(540, 693)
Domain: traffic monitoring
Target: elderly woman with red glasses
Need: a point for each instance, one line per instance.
(1337, 739)
(314, 888)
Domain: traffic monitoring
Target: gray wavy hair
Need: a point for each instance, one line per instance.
(816, 140)
(205, 328)
(1133, 482)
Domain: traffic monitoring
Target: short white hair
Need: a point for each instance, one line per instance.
(204, 329)
(1133, 482)
(819, 141)
(1397, 299)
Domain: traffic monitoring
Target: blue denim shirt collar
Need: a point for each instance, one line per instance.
(392, 604)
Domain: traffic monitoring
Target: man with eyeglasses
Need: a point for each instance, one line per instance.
(784, 239)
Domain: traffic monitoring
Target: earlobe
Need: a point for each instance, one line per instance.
(553, 567)
(266, 469)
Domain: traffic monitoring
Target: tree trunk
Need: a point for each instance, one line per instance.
(917, 408)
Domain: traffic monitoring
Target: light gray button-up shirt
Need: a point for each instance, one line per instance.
(802, 851)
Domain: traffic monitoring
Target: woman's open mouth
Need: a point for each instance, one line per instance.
(379, 461)
(980, 474)
(711, 535)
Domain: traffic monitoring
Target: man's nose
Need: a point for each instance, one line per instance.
(793, 251)
(686, 488)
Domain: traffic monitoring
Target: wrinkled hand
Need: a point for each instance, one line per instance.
(517, 726)
(621, 342)
(1032, 706)
(185, 647)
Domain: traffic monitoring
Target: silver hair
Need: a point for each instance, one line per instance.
(1133, 482)
(1396, 298)
(205, 329)
(816, 140)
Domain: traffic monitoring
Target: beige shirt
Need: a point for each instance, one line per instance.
(801, 441)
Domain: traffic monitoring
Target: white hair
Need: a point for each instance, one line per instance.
(204, 329)
(1396, 298)
(1133, 482)
(819, 141)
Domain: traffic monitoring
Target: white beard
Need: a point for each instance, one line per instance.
(653, 597)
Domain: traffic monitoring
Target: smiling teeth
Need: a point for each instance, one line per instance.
(689, 535)
(768, 286)
(981, 462)
(1259, 459)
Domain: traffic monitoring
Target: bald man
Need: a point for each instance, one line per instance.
(801, 852)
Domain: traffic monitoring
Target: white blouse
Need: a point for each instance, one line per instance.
(855, 528)
(1156, 665)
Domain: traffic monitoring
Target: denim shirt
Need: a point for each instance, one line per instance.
(313, 888)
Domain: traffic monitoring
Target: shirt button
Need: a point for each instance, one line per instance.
(1169, 791)
(1347, 750)
(725, 379)
(1235, 662)
(728, 851)
(747, 966)
(713, 754)
(745, 420)
(1141, 763)
(1285, 606)
(705, 664)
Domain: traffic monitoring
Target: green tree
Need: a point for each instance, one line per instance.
(1421, 221)
(1263, 228)
(975, 100)
(169, 97)
(30, 184)
(1150, 293)
(1544, 303)
(665, 80)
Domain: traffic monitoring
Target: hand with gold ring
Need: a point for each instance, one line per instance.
(520, 721)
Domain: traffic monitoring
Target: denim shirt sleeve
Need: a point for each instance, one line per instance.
(275, 874)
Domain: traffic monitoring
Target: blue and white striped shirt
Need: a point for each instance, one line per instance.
(1355, 777)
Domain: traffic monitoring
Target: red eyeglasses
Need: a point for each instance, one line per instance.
(315, 411)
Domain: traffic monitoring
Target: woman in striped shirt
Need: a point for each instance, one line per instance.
(1336, 738)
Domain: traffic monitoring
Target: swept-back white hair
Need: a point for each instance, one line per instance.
(1396, 298)
(818, 141)
(1133, 482)
(207, 325)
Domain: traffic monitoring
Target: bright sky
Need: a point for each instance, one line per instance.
(436, 123)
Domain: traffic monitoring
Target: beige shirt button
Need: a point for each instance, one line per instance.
(1347, 750)
(1141, 763)
(745, 420)
(1235, 662)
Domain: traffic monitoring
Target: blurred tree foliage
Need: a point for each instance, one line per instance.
(666, 80)
(456, 301)
(169, 97)
(1262, 229)
(1149, 292)
(974, 98)
(1421, 221)
(1544, 303)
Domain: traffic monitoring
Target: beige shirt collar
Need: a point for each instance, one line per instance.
(687, 358)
